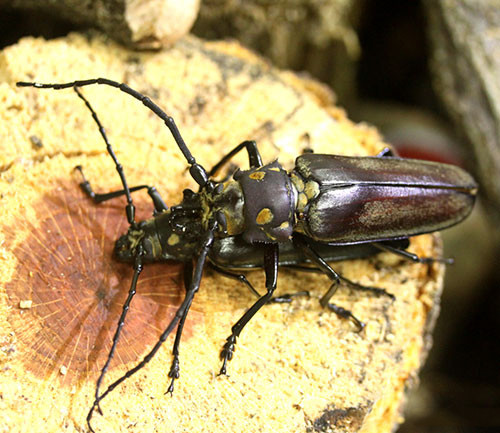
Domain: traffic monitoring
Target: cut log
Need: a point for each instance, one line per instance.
(297, 367)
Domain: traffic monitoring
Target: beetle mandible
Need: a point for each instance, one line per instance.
(327, 208)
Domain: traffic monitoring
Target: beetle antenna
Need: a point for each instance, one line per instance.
(179, 315)
(130, 208)
(197, 171)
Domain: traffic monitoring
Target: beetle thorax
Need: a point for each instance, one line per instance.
(270, 199)
(225, 203)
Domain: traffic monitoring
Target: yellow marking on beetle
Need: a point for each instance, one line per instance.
(298, 182)
(173, 240)
(284, 225)
(311, 189)
(268, 235)
(257, 175)
(301, 202)
(264, 216)
(274, 169)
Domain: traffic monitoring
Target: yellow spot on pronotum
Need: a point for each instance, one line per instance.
(275, 169)
(257, 175)
(264, 216)
(173, 240)
(284, 225)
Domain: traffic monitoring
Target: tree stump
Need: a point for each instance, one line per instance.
(297, 367)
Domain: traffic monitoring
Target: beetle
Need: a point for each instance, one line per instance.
(327, 208)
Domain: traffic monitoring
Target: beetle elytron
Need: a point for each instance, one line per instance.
(327, 208)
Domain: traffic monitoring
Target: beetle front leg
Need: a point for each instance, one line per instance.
(254, 157)
(180, 313)
(174, 372)
(158, 202)
(271, 256)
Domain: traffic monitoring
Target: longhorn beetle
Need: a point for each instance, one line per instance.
(327, 208)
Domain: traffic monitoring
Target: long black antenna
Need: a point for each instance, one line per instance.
(197, 171)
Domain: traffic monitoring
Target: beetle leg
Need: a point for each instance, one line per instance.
(334, 276)
(197, 171)
(121, 321)
(179, 314)
(239, 277)
(356, 286)
(286, 298)
(283, 299)
(158, 202)
(271, 260)
(174, 372)
(411, 256)
(253, 156)
(386, 152)
(130, 208)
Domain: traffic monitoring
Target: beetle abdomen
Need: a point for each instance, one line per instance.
(372, 199)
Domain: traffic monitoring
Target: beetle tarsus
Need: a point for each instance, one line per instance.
(89, 416)
(227, 353)
(346, 314)
(377, 291)
(174, 374)
(286, 298)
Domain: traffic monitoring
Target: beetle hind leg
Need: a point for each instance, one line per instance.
(411, 256)
(325, 268)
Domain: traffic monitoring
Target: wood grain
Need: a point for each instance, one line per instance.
(297, 368)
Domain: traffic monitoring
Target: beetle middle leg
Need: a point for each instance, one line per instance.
(238, 277)
(158, 202)
(271, 269)
(282, 299)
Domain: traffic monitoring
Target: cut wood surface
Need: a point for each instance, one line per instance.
(297, 367)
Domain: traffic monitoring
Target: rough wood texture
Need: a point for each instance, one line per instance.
(297, 368)
(317, 36)
(466, 67)
(144, 24)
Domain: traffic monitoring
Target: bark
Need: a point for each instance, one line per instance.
(143, 24)
(466, 65)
